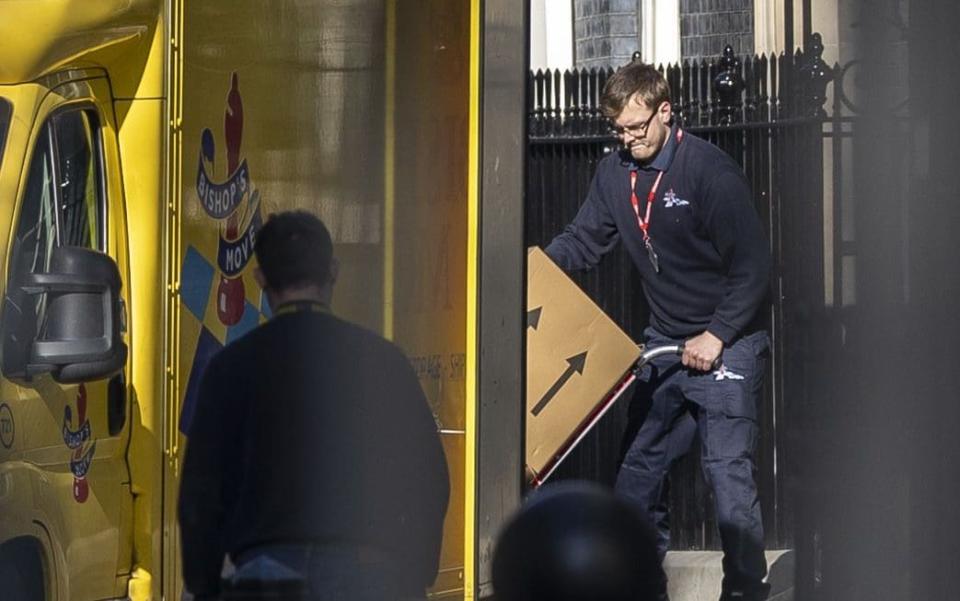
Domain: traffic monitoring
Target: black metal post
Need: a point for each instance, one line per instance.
(501, 280)
(788, 42)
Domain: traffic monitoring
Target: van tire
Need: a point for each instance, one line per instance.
(21, 572)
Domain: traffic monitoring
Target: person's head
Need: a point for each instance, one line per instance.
(636, 99)
(295, 258)
(575, 541)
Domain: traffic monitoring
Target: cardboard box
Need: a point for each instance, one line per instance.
(578, 362)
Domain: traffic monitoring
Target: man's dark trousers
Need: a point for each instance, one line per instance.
(723, 404)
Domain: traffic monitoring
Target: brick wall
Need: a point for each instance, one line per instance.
(606, 32)
(706, 26)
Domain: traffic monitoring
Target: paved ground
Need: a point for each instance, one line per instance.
(696, 575)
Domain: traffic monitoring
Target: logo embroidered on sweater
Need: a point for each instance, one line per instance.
(725, 374)
(670, 200)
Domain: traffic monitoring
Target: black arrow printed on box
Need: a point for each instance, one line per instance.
(533, 317)
(576, 364)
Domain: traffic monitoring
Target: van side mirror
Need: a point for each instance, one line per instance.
(80, 336)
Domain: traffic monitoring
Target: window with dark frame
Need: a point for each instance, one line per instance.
(64, 204)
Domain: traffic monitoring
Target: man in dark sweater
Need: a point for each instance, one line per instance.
(313, 454)
(683, 210)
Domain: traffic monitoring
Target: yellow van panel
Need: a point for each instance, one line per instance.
(287, 105)
(431, 221)
(41, 36)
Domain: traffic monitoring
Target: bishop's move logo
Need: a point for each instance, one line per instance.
(77, 436)
(233, 202)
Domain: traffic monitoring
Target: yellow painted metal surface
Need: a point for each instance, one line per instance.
(431, 233)
(472, 267)
(389, 165)
(222, 112)
(307, 78)
(38, 37)
(19, 503)
(357, 111)
(141, 138)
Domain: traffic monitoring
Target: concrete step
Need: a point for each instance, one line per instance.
(696, 575)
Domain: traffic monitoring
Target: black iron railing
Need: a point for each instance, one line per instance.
(730, 90)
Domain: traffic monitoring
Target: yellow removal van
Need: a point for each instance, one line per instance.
(142, 144)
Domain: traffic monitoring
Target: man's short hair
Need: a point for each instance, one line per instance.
(294, 249)
(633, 78)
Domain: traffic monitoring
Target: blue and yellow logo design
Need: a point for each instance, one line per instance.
(234, 203)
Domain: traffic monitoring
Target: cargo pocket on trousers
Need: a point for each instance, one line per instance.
(730, 430)
(736, 380)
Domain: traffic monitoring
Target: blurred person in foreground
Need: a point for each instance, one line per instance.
(575, 541)
(684, 212)
(313, 457)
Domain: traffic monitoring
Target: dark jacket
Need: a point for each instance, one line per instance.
(315, 430)
(713, 254)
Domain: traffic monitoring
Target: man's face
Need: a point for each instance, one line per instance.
(642, 129)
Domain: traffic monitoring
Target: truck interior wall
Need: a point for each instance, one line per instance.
(432, 102)
(309, 81)
(290, 103)
(283, 108)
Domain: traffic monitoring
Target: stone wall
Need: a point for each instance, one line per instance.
(706, 26)
(606, 32)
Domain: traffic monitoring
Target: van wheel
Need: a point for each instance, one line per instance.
(22, 577)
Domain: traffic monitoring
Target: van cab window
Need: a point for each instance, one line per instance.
(63, 202)
(79, 181)
(4, 123)
(63, 205)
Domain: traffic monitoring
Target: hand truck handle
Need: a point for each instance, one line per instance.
(670, 349)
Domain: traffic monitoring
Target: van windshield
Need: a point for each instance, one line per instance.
(4, 122)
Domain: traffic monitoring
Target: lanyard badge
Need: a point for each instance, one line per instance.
(644, 221)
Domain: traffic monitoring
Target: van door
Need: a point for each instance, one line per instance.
(76, 435)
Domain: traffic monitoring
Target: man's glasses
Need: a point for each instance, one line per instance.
(636, 131)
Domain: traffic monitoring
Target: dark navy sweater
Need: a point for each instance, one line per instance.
(714, 257)
(312, 429)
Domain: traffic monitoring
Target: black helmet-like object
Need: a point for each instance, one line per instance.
(576, 541)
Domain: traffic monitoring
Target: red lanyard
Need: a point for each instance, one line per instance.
(644, 222)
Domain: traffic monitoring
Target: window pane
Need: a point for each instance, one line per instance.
(78, 171)
(36, 231)
(4, 122)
